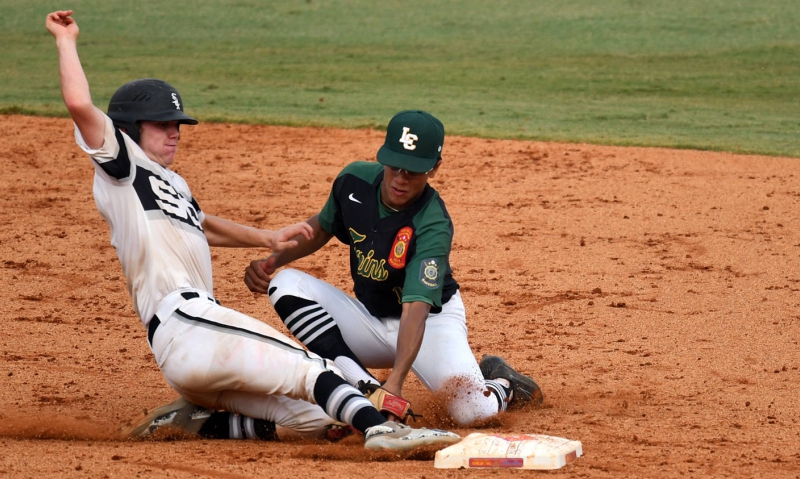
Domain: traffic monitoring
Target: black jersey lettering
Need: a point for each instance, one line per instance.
(155, 193)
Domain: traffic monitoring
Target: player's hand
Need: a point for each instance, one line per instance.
(258, 274)
(282, 239)
(61, 23)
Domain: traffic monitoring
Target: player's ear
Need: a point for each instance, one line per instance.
(435, 168)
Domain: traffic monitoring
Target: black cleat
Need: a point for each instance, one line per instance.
(525, 390)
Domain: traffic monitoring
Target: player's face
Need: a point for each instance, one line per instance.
(159, 140)
(400, 188)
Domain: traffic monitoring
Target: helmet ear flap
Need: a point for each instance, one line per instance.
(130, 128)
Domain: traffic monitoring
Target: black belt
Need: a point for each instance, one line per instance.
(155, 322)
(151, 329)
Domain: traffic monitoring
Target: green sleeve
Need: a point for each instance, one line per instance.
(328, 213)
(426, 270)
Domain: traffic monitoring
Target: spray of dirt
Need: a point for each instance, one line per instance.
(57, 428)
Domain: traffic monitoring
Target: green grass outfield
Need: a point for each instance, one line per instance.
(711, 74)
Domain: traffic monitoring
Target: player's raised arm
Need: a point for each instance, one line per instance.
(74, 85)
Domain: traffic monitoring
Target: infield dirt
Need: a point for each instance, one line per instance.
(652, 293)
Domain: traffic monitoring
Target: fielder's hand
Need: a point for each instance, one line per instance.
(258, 274)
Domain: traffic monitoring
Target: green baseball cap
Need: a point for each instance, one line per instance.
(414, 140)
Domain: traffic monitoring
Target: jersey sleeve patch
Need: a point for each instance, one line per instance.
(397, 257)
(429, 273)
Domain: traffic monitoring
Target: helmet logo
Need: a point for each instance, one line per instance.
(176, 101)
(408, 139)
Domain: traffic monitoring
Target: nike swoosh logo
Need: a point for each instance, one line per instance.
(353, 199)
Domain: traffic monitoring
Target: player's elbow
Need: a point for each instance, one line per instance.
(79, 108)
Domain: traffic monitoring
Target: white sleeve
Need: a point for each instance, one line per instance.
(110, 147)
(108, 157)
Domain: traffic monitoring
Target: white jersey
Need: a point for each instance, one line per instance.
(215, 357)
(155, 222)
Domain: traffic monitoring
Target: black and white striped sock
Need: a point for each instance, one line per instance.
(311, 324)
(226, 425)
(501, 392)
(345, 403)
(306, 319)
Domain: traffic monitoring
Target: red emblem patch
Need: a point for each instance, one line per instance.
(397, 257)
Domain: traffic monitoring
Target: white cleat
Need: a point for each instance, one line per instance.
(399, 437)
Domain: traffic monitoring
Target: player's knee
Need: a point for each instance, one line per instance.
(469, 409)
(284, 283)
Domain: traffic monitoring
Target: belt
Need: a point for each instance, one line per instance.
(151, 329)
(155, 322)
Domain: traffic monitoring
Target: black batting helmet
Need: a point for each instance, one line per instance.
(147, 99)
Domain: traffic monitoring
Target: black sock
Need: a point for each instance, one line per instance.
(331, 345)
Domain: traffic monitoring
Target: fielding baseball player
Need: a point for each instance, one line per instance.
(407, 313)
(237, 376)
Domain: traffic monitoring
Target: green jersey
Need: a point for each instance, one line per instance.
(395, 257)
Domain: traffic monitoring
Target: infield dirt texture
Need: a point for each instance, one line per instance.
(652, 293)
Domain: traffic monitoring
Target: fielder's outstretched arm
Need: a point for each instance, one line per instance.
(74, 85)
(409, 341)
(306, 246)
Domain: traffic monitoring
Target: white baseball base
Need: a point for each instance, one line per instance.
(512, 451)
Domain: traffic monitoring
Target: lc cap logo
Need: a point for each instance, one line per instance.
(414, 140)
